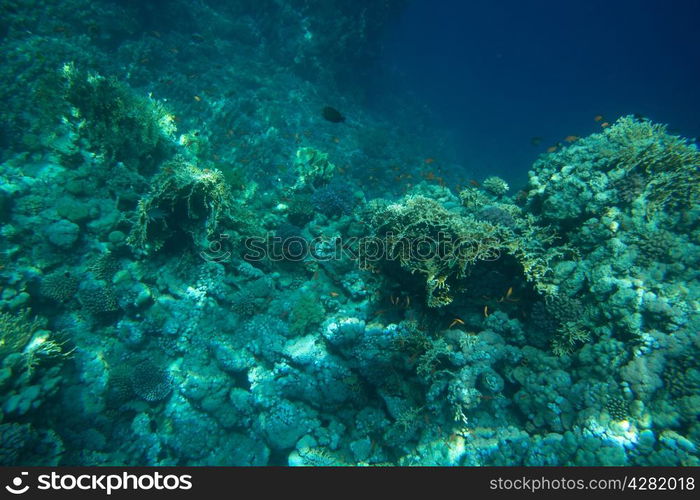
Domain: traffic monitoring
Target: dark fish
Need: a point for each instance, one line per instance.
(155, 213)
(332, 115)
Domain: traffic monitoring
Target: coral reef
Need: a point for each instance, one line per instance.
(270, 287)
(183, 198)
(422, 236)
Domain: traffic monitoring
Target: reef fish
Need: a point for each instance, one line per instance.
(332, 115)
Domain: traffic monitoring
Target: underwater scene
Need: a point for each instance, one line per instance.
(349, 232)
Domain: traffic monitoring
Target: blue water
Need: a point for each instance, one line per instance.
(497, 74)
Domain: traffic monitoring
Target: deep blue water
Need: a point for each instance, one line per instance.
(497, 74)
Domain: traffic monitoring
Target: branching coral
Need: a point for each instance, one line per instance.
(183, 197)
(425, 238)
(670, 162)
(118, 124)
(25, 337)
(16, 330)
(661, 168)
(569, 335)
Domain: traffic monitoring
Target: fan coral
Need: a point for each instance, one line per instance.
(60, 286)
(300, 209)
(333, 199)
(150, 382)
(243, 304)
(98, 298)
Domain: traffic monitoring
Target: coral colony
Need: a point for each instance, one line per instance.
(206, 264)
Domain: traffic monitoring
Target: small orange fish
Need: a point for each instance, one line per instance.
(605, 124)
(428, 161)
(598, 118)
(552, 149)
(571, 138)
(486, 311)
(474, 182)
(456, 321)
(197, 98)
(336, 140)
(334, 294)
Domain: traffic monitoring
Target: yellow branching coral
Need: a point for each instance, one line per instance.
(24, 336)
(195, 199)
(428, 240)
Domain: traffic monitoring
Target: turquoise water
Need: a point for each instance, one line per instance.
(347, 233)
